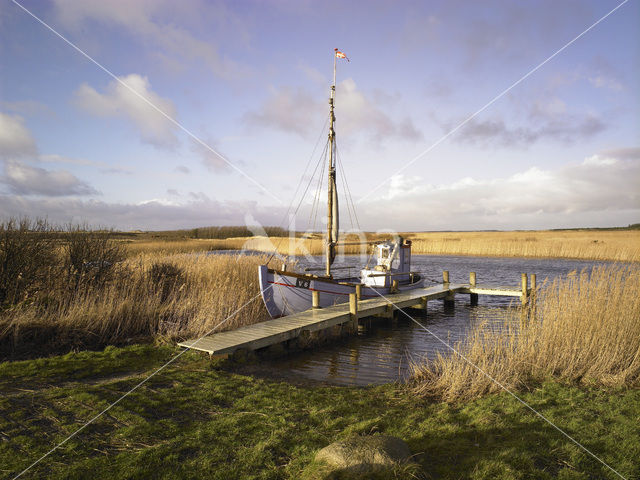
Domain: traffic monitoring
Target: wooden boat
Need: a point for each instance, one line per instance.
(288, 292)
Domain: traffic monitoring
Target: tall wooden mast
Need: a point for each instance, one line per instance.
(332, 192)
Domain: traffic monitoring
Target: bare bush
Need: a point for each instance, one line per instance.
(27, 258)
(90, 256)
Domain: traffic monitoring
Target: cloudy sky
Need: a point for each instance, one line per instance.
(157, 114)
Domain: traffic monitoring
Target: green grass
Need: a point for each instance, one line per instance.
(197, 420)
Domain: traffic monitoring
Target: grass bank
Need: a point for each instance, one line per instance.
(583, 329)
(196, 420)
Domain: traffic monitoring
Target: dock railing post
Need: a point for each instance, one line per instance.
(532, 296)
(353, 310)
(394, 286)
(315, 299)
(359, 292)
(524, 282)
(472, 284)
(449, 300)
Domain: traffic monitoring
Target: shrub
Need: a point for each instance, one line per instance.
(27, 258)
(90, 256)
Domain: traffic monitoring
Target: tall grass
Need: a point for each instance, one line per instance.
(150, 296)
(583, 329)
(620, 246)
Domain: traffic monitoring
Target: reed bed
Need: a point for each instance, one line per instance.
(582, 329)
(619, 246)
(150, 296)
(612, 245)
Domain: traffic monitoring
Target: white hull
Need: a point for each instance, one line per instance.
(286, 293)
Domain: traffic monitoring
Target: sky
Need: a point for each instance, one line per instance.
(450, 115)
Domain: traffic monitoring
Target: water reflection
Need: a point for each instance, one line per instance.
(384, 353)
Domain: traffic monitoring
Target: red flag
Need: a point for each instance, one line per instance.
(341, 55)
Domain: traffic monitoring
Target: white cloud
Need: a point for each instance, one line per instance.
(120, 100)
(212, 161)
(288, 109)
(359, 113)
(23, 179)
(156, 22)
(600, 191)
(15, 138)
(295, 110)
(545, 125)
(602, 81)
(150, 215)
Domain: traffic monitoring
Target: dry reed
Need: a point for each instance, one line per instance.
(139, 303)
(619, 246)
(583, 329)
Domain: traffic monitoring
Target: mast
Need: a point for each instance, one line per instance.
(332, 191)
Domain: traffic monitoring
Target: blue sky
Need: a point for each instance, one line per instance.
(251, 80)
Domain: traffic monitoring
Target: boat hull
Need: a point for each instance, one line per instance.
(286, 293)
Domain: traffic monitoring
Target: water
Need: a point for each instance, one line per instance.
(383, 354)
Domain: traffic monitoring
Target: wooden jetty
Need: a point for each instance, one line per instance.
(272, 332)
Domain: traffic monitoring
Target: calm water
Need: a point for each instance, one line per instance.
(382, 355)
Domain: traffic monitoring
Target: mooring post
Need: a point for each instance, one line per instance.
(532, 294)
(423, 304)
(449, 300)
(472, 284)
(353, 310)
(315, 299)
(524, 288)
(394, 286)
(359, 292)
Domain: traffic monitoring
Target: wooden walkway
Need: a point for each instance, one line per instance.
(278, 330)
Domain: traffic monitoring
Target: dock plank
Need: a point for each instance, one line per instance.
(277, 330)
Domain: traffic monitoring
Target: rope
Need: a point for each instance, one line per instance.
(353, 206)
(296, 192)
(316, 196)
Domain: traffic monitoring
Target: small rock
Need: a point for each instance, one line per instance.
(365, 453)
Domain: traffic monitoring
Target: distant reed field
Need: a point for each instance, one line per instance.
(620, 245)
(584, 329)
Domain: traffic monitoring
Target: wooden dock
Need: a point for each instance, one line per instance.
(271, 332)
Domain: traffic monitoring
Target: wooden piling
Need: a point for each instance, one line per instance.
(524, 282)
(394, 286)
(423, 304)
(315, 299)
(449, 299)
(359, 292)
(532, 296)
(353, 309)
(472, 283)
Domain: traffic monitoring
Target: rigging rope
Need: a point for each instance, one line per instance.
(296, 192)
(316, 197)
(344, 176)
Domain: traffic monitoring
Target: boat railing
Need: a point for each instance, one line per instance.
(312, 269)
(395, 274)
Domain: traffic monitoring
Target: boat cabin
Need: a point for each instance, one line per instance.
(393, 262)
